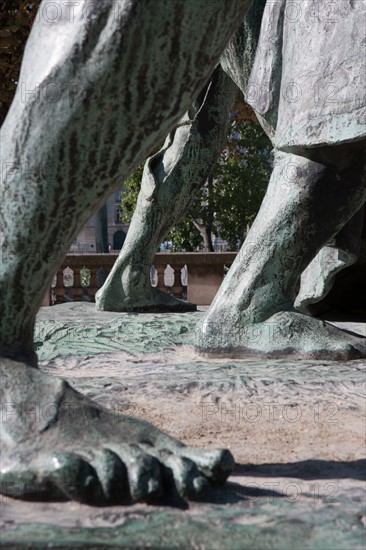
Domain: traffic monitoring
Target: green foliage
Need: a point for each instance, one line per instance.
(85, 277)
(131, 189)
(185, 236)
(240, 180)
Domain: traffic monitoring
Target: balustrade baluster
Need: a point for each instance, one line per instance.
(160, 268)
(177, 289)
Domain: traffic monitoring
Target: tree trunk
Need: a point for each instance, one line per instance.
(207, 239)
(206, 234)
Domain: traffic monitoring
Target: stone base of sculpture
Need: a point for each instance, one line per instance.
(302, 477)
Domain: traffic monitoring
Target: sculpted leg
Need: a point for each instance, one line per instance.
(174, 174)
(115, 70)
(171, 178)
(306, 205)
(318, 278)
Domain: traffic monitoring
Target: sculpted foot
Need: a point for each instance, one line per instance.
(149, 300)
(58, 444)
(283, 335)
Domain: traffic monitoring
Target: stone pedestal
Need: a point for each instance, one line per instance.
(294, 429)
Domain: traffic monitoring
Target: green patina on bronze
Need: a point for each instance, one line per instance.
(139, 71)
(283, 526)
(125, 77)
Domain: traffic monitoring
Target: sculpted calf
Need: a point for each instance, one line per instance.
(170, 179)
(317, 185)
(125, 72)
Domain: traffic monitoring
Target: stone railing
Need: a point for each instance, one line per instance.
(194, 276)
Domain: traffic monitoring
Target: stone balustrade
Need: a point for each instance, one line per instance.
(194, 276)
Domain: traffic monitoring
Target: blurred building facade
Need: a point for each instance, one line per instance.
(117, 230)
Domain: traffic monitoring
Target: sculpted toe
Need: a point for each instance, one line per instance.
(215, 464)
(182, 474)
(53, 476)
(112, 475)
(143, 472)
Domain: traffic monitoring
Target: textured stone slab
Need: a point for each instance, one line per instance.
(247, 526)
(296, 430)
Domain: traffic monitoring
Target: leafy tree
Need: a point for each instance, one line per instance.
(240, 180)
(185, 236)
(131, 189)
